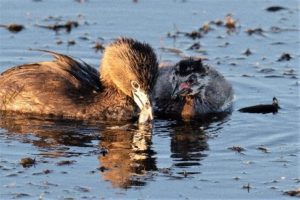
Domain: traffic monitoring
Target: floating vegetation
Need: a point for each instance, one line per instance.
(194, 35)
(14, 28)
(65, 162)
(195, 46)
(258, 31)
(275, 8)
(205, 28)
(262, 108)
(285, 57)
(71, 42)
(247, 187)
(27, 162)
(248, 52)
(237, 149)
(263, 149)
(98, 47)
(68, 26)
(230, 22)
(293, 193)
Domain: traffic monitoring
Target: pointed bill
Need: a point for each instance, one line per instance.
(143, 102)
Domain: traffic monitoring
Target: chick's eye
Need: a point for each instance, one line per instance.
(192, 79)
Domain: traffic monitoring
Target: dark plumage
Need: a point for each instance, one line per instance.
(68, 88)
(190, 89)
(262, 108)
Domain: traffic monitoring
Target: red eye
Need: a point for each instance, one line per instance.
(192, 79)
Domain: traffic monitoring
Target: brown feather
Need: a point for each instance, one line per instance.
(68, 88)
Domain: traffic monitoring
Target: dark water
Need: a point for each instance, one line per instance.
(173, 159)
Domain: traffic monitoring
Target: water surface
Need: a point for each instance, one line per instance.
(173, 159)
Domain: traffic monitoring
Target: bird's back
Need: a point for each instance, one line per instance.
(61, 87)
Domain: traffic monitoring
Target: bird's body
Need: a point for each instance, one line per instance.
(190, 89)
(67, 88)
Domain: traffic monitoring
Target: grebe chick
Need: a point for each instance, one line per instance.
(67, 88)
(190, 89)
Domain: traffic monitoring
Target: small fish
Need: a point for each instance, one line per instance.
(262, 108)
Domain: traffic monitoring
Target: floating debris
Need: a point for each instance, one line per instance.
(165, 170)
(262, 108)
(69, 25)
(14, 28)
(81, 1)
(98, 47)
(205, 28)
(285, 57)
(230, 22)
(263, 149)
(46, 171)
(293, 193)
(194, 35)
(273, 76)
(71, 42)
(171, 50)
(82, 189)
(258, 31)
(237, 149)
(290, 72)
(217, 22)
(275, 8)
(185, 174)
(27, 162)
(20, 195)
(248, 52)
(65, 162)
(247, 187)
(59, 42)
(195, 46)
(267, 70)
(247, 75)
(84, 38)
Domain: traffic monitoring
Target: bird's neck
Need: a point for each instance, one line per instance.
(188, 110)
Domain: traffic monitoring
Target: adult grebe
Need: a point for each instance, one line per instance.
(190, 89)
(68, 88)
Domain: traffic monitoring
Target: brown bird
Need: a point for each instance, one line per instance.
(67, 88)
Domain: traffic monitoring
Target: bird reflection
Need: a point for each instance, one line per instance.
(126, 163)
(129, 158)
(189, 141)
(125, 152)
(49, 132)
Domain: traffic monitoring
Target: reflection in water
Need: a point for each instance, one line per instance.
(189, 140)
(127, 162)
(187, 146)
(50, 132)
(130, 157)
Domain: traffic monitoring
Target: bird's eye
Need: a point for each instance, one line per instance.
(192, 79)
(135, 85)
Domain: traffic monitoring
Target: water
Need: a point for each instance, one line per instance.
(173, 159)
